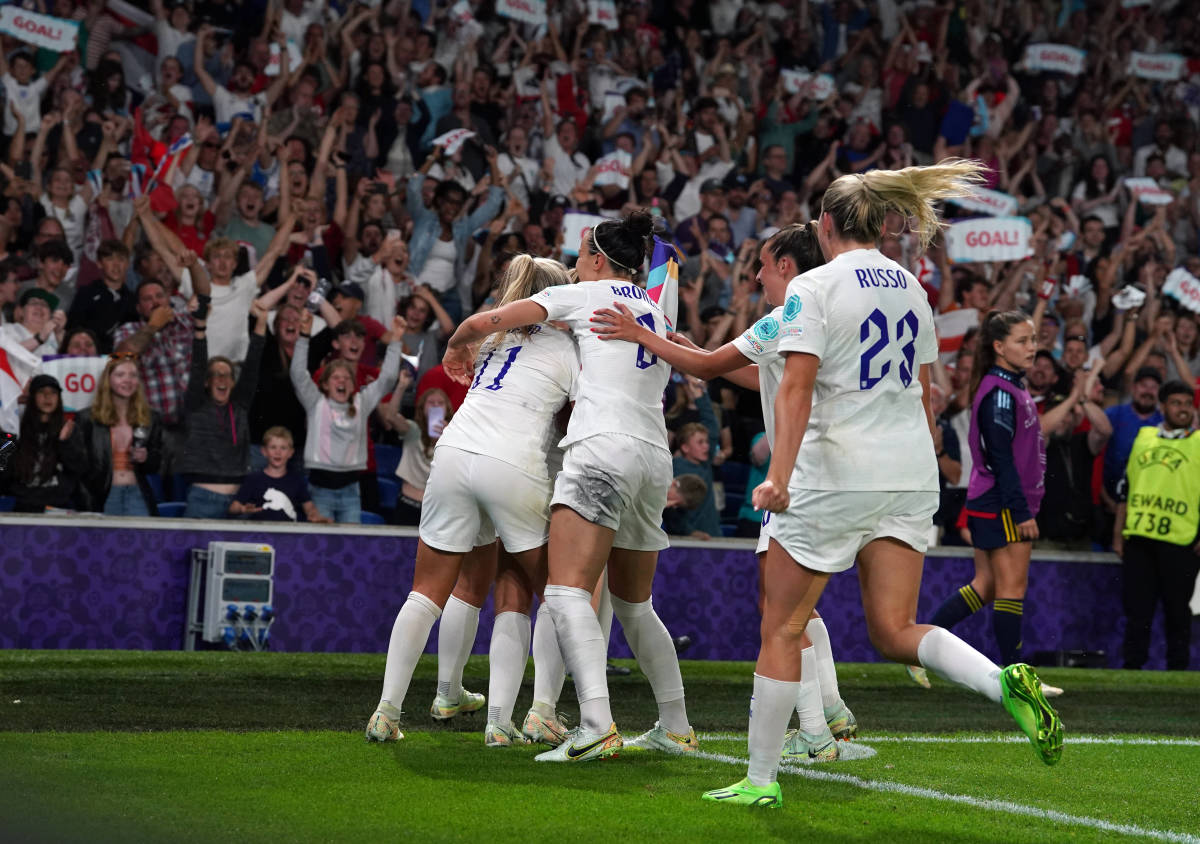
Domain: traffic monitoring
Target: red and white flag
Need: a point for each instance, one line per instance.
(17, 366)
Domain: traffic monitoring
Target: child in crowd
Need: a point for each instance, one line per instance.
(274, 494)
(335, 452)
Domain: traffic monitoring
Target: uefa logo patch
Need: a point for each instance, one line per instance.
(767, 328)
(791, 308)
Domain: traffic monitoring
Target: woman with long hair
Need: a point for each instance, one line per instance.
(123, 439)
(1008, 463)
(50, 455)
(489, 478)
(858, 340)
(609, 497)
(785, 255)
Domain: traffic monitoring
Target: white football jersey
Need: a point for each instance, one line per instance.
(760, 344)
(621, 384)
(519, 387)
(869, 322)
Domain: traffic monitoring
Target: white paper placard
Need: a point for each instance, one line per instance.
(574, 225)
(1162, 66)
(1183, 286)
(613, 169)
(1148, 192)
(525, 11)
(53, 33)
(78, 377)
(1059, 58)
(453, 140)
(989, 239)
(603, 12)
(991, 202)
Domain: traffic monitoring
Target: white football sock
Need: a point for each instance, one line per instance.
(655, 652)
(582, 647)
(604, 611)
(808, 701)
(831, 697)
(456, 637)
(409, 635)
(943, 652)
(770, 710)
(506, 665)
(549, 673)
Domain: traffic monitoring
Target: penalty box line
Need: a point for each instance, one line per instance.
(1004, 806)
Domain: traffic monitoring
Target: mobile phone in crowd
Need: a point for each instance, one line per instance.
(435, 417)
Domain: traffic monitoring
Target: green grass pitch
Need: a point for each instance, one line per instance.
(118, 746)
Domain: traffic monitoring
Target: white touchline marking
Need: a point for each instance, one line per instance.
(1005, 806)
(1068, 739)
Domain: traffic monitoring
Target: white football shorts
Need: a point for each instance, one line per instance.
(619, 482)
(825, 529)
(471, 499)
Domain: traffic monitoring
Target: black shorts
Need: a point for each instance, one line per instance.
(990, 531)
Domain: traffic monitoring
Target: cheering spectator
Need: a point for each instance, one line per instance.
(123, 439)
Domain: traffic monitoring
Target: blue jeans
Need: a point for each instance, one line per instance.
(125, 501)
(206, 504)
(342, 505)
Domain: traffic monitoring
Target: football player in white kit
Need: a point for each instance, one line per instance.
(853, 471)
(823, 714)
(609, 497)
(489, 478)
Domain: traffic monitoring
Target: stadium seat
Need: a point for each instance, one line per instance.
(734, 476)
(728, 529)
(387, 458)
(172, 509)
(389, 492)
(7, 502)
(369, 518)
(179, 487)
(156, 485)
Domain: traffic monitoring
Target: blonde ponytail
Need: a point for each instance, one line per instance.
(859, 202)
(525, 277)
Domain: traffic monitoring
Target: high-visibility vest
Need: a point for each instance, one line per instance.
(1163, 500)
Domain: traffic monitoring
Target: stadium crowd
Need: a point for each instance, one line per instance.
(254, 211)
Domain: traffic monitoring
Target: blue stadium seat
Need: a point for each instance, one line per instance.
(387, 458)
(389, 492)
(156, 485)
(7, 502)
(172, 509)
(179, 487)
(734, 475)
(369, 518)
(728, 529)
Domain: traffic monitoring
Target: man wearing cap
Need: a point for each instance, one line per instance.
(1129, 418)
(105, 303)
(39, 325)
(692, 231)
(347, 300)
(1156, 529)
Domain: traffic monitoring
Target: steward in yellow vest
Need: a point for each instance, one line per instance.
(1156, 529)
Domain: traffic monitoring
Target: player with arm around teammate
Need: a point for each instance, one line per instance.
(858, 339)
(794, 250)
(488, 479)
(609, 497)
